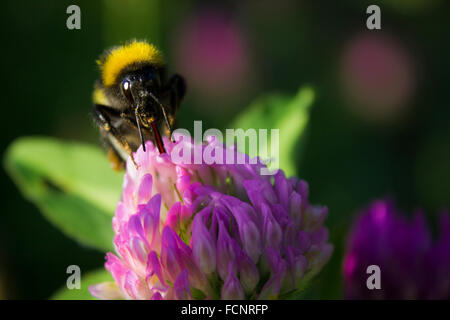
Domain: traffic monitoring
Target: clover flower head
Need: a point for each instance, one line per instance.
(211, 231)
(411, 265)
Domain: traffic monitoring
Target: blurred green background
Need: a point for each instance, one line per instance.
(379, 125)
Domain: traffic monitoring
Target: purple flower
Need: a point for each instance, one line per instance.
(217, 231)
(411, 265)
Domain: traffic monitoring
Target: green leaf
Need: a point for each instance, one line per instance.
(197, 294)
(71, 183)
(83, 293)
(288, 114)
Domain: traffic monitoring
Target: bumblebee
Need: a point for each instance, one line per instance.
(134, 99)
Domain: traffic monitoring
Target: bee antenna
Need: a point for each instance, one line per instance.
(139, 127)
(164, 114)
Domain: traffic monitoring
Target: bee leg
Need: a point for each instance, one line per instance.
(113, 136)
(129, 121)
(115, 160)
(176, 88)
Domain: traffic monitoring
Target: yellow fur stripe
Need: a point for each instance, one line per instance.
(99, 97)
(120, 57)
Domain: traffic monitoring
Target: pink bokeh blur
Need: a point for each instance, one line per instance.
(377, 77)
(212, 54)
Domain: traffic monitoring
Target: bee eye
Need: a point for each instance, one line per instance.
(126, 86)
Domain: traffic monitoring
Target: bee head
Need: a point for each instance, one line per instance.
(130, 71)
(132, 80)
(137, 86)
